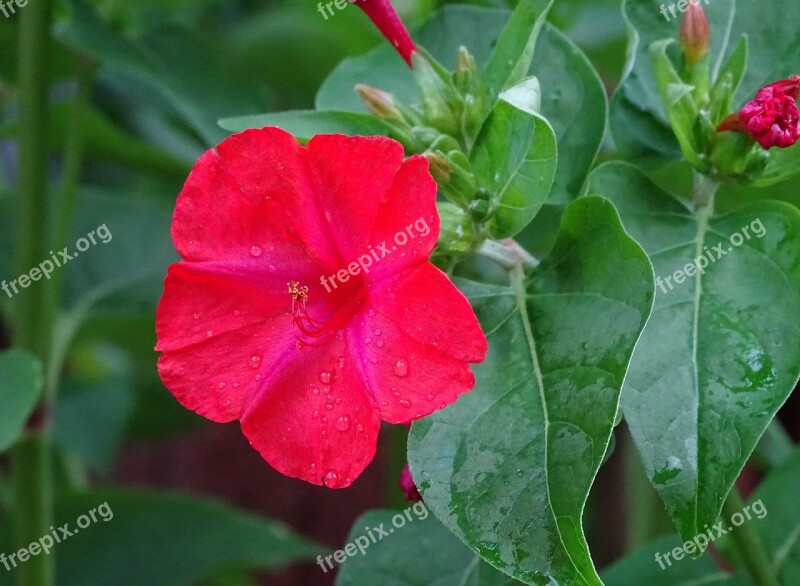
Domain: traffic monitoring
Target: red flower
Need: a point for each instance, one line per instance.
(271, 319)
(407, 485)
(383, 14)
(772, 118)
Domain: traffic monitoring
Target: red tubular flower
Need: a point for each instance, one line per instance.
(305, 305)
(772, 118)
(383, 14)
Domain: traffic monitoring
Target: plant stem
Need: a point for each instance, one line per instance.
(33, 315)
(751, 549)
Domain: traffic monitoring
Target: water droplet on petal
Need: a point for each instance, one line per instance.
(315, 414)
(255, 251)
(237, 313)
(341, 361)
(331, 479)
(343, 423)
(329, 406)
(325, 378)
(379, 343)
(401, 368)
(255, 361)
(272, 268)
(378, 331)
(259, 377)
(315, 391)
(367, 340)
(209, 333)
(360, 427)
(405, 403)
(222, 385)
(338, 400)
(236, 385)
(371, 313)
(196, 316)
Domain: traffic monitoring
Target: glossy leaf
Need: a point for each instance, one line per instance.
(304, 124)
(162, 539)
(20, 388)
(514, 159)
(716, 359)
(511, 59)
(642, 567)
(575, 105)
(421, 551)
(508, 468)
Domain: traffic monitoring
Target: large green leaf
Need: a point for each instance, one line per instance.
(20, 387)
(575, 104)
(508, 468)
(172, 62)
(638, 118)
(514, 158)
(304, 124)
(642, 567)
(163, 539)
(719, 355)
(421, 552)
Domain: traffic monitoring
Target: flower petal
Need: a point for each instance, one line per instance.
(314, 418)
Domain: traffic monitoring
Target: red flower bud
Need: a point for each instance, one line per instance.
(695, 33)
(772, 118)
(408, 486)
(383, 14)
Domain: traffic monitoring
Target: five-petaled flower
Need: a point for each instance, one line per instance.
(772, 118)
(248, 331)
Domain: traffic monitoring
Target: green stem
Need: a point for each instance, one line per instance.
(33, 315)
(751, 549)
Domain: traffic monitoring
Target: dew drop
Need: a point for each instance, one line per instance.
(405, 403)
(341, 361)
(384, 403)
(315, 391)
(259, 377)
(329, 406)
(367, 340)
(331, 479)
(374, 360)
(222, 385)
(325, 378)
(209, 333)
(338, 400)
(379, 343)
(360, 427)
(371, 313)
(236, 385)
(196, 316)
(255, 361)
(237, 313)
(378, 331)
(272, 268)
(255, 251)
(324, 420)
(401, 368)
(315, 414)
(343, 423)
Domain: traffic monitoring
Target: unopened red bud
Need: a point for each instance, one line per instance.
(695, 33)
(383, 14)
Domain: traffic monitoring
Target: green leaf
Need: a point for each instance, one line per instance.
(514, 159)
(717, 358)
(171, 62)
(638, 119)
(508, 468)
(783, 164)
(20, 388)
(677, 96)
(304, 124)
(642, 567)
(422, 551)
(163, 539)
(575, 105)
(511, 59)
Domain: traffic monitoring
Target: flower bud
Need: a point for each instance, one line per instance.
(454, 180)
(772, 118)
(695, 33)
(456, 235)
(407, 485)
(379, 102)
(384, 16)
